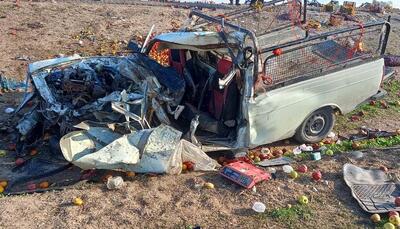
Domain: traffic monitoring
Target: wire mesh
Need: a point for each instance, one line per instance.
(260, 21)
(316, 57)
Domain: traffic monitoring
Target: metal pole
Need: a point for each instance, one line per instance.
(147, 39)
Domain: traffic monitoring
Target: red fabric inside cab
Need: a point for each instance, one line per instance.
(224, 66)
(218, 99)
(179, 62)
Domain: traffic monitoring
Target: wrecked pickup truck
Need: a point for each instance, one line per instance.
(224, 87)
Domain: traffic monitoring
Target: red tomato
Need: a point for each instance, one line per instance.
(277, 52)
(19, 161)
(189, 165)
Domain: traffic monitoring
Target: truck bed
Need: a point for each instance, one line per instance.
(314, 58)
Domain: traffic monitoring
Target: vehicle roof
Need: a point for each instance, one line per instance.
(197, 41)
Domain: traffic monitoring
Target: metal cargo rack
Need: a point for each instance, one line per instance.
(233, 21)
(261, 21)
(320, 54)
(303, 55)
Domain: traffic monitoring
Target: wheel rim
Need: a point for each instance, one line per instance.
(315, 125)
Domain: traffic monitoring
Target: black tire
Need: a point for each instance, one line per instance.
(316, 126)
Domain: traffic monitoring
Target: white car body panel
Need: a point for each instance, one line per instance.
(276, 114)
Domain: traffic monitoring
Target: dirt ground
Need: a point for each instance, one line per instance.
(44, 30)
(41, 30)
(175, 202)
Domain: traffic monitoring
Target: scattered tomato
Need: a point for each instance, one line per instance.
(302, 169)
(393, 213)
(317, 175)
(44, 185)
(277, 153)
(33, 152)
(189, 165)
(263, 156)
(315, 146)
(277, 52)
(19, 161)
(130, 174)
(3, 183)
(355, 118)
(372, 102)
(383, 104)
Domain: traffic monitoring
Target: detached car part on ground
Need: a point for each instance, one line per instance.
(220, 91)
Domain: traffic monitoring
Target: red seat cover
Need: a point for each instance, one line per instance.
(218, 99)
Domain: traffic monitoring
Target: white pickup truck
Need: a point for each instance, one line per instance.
(223, 86)
(246, 95)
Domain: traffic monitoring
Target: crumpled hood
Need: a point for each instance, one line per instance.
(33, 67)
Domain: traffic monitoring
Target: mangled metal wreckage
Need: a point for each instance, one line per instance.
(131, 113)
(112, 113)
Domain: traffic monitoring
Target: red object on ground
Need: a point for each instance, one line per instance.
(317, 175)
(189, 165)
(244, 174)
(302, 169)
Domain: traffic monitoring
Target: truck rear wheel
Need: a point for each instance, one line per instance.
(316, 126)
